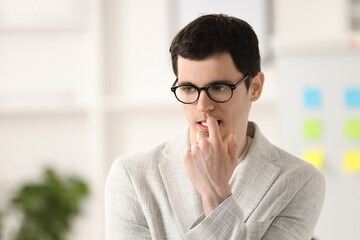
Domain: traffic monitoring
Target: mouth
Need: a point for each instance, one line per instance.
(202, 125)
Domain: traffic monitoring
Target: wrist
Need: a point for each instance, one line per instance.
(212, 201)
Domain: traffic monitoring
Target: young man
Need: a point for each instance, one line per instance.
(221, 179)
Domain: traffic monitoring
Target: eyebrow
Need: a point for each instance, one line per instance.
(210, 83)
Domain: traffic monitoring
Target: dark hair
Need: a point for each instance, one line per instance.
(217, 33)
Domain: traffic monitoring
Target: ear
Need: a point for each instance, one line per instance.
(256, 86)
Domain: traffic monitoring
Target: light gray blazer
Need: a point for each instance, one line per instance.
(275, 196)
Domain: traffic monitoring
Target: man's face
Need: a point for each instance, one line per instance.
(232, 116)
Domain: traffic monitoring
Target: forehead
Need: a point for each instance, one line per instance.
(218, 66)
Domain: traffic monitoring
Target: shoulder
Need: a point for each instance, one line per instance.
(134, 171)
(296, 179)
(288, 162)
(140, 161)
(298, 174)
(145, 164)
(293, 170)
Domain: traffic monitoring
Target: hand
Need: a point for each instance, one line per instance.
(209, 165)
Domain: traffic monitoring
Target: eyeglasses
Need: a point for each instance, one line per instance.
(218, 92)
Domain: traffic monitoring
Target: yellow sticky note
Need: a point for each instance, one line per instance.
(352, 161)
(315, 157)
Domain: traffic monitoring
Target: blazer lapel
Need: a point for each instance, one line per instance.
(256, 173)
(183, 197)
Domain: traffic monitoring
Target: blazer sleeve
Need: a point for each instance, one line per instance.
(124, 218)
(296, 221)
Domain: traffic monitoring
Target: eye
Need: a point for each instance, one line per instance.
(187, 89)
(219, 88)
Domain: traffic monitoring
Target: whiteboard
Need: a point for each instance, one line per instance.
(332, 73)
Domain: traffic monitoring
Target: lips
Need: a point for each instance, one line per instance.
(202, 125)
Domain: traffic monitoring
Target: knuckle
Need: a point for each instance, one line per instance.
(187, 156)
(217, 144)
(203, 143)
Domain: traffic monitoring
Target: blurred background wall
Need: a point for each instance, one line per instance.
(85, 81)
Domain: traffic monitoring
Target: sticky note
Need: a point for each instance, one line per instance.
(312, 129)
(312, 97)
(352, 97)
(352, 161)
(315, 157)
(352, 129)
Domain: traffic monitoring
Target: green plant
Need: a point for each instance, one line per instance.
(48, 207)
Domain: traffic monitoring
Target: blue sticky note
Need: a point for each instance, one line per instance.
(312, 97)
(352, 97)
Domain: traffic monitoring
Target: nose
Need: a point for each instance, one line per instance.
(204, 103)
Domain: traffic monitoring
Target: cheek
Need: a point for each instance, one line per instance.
(188, 112)
(237, 114)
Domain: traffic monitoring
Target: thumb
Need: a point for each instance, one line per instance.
(232, 146)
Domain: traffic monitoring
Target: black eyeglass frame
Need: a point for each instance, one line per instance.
(232, 87)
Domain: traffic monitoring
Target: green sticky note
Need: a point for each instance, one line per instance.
(352, 129)
(312, 129)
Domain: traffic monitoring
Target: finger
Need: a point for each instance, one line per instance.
(195, 151)
(193, 147)
(232, 146)
(187, 155)
(200, 136)
(187, 160)
(214, 133)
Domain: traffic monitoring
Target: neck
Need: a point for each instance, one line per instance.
(242, 143)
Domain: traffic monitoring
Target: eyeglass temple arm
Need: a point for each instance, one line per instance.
(239, 82)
